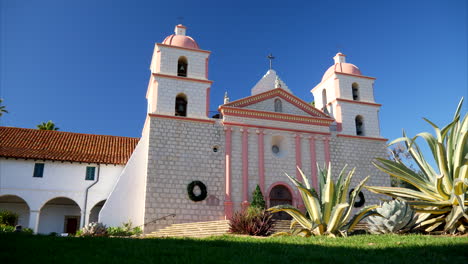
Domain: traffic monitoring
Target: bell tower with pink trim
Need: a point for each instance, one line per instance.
(179, 84)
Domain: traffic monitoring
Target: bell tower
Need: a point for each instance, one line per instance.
(179, 84)
(348, 96)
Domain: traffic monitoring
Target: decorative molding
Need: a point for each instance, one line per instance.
(354, 102)
(187, 79)
(182, 48)
(183, 118)
(275, 128)
(361, 137)
(250, 113)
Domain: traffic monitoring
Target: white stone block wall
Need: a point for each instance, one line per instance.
(360, 153)
(369, 114)
(269, 105)
(168, 58)
(181, 152)
(167, 91)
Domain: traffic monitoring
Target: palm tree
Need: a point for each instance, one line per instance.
(2, 108)
(47, 126)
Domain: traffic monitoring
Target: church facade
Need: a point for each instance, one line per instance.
(184, 153)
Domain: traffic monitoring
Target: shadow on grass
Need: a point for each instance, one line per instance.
(357, 249)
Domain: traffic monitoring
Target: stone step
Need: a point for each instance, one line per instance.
(197, 229)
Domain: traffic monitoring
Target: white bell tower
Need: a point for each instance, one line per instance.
(348, 96)
(179, 84)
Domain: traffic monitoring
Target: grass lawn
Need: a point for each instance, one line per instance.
(412, 249)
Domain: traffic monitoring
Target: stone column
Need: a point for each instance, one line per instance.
(261, 160)
(298, 157)
(245, 168)
(227, 199)
(34, 220)
(82, 219)
(313, 162)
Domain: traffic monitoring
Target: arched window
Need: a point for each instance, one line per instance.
(278, 106)
(182, 66)
(355, 88)
(359, 125)
(324, 101)
(181, 105)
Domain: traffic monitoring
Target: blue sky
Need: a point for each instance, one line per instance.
(85, 64)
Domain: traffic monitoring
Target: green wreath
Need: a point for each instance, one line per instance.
(191, 194)
(361, 200)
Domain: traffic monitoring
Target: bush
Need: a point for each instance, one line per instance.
(125, 230)
(94, 230)
(8, 218)
(258, 201)
(253, 221)
(6, 228)
(28, 231)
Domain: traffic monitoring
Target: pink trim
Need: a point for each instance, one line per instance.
(261, 161)
(313, 163)
(206, 68)
(250, 113)
(181, 78)
(181, 26)
(227, 200)
(208, 102)
(360, 137)
(245, 166)
(281, 93)
(177, 47)
(298, 157)
(356, 102)
(360, 76)
(276, 128)
(326, 145)
(183, 118)
(290, 189)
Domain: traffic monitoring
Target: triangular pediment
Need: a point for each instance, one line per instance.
(265, 101)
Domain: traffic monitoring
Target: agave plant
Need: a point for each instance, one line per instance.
(441, 194)
(329, 211)
(396, 216)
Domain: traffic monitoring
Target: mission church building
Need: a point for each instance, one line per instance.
(187, 164)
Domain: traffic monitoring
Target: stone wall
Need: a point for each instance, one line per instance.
(181, 151)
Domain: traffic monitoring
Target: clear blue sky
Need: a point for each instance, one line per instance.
(85, 64)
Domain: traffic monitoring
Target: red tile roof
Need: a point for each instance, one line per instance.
(65, 146)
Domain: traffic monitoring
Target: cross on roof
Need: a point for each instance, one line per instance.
(270, 57)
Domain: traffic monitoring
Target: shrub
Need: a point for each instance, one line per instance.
(6, 228)
(395, 217)
(252, 221)
(125, 230)
(94, 230)
(258, 201)
(329, 212)
(28, 231)
(441, 196)
(8, 218)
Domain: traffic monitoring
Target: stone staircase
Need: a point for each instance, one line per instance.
(281, 226)
(196, 229)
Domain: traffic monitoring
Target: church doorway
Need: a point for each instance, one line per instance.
(280, 195)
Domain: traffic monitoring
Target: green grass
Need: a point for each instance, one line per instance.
(412, 249)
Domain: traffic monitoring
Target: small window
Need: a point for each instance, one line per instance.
(90, 172)
(359, 125)
(278, 106)
(355, 88)
(38, 170)
(181, 105)
(275, 149)
(182, 66)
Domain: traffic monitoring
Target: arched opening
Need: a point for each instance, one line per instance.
(280, 195)
(181, 105)
(94, 213)
(278, 106)
(17, 205)
(359, 121)
(355, 88)
(182, 66)
(324, 101)
(59, 215)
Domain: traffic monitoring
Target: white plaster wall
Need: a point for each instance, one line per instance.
(127, 199)
(52, 218)
(329, 85)
(167, 91)
(168, 58)
(349, 111)
(366, 90)
(59, 180)
(269, 105)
